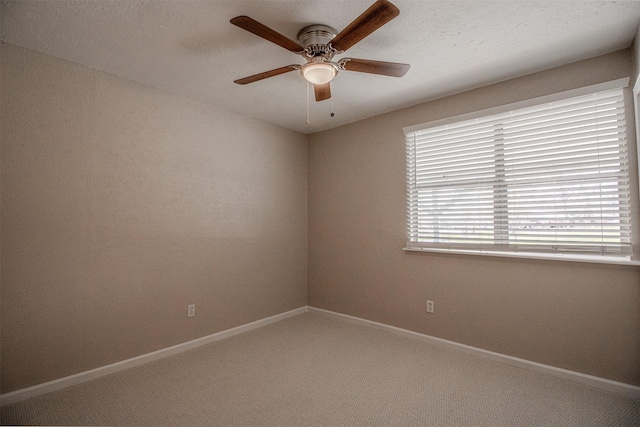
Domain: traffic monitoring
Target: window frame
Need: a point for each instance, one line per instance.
(633, 175)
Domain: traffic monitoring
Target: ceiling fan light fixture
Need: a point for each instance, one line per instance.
(318, 73)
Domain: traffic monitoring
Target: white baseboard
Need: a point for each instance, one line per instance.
(585, 379)
(627, 390)
(48, 387)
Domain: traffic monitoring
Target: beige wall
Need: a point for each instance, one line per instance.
(583, 317)
(121, 204)
(636, 57)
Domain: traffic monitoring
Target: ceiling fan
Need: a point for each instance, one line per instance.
(318, 44)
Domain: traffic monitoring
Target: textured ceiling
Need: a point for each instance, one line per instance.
(190, 48)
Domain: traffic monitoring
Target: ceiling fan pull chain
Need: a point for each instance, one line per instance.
(308, 119)
(332, 107)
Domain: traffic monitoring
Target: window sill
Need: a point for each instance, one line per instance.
(531, 255)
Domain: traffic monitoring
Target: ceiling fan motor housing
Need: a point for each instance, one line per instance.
(315, 38)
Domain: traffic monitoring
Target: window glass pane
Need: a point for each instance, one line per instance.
(454, 215)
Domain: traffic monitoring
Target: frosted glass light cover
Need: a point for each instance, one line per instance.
(318, 74)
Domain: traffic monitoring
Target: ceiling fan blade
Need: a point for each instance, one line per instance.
(322, 91)
(266, 33)
(393, 69)
(266, 74)
(371, 19)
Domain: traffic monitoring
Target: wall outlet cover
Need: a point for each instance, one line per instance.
(430, 306)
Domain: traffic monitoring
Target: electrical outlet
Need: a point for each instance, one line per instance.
(191, 310)
(429, 306)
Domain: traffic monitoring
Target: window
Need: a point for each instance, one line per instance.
(550, 178)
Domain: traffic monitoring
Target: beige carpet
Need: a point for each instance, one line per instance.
(316, 370)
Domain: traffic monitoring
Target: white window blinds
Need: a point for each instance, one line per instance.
(550, 178)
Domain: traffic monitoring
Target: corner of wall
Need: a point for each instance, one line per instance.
(635, 52)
